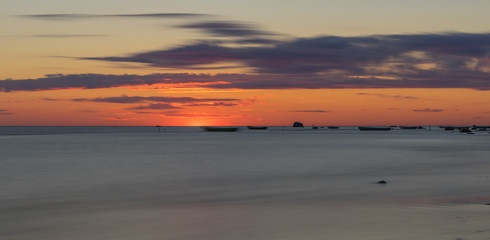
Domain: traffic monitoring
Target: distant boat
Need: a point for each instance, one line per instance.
(257, 127)
(333, 127)
(454, 127)
(409, 127)
(480, 128)
(476, 126)
(220, 129)
(465, 130)
(374, 128)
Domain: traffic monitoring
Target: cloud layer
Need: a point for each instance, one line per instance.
(63, 17)
(309, 111)
(228, 29)
(5, 112)
(94, 81)
(451, 60)
(139, 99)
(163, 103)
(428, 110)
(387, 96)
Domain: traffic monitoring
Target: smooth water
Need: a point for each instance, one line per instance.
(183, 183)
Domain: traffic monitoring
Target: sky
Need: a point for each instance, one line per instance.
(216, 62)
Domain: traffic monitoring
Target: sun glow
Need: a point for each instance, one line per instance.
(202, 121)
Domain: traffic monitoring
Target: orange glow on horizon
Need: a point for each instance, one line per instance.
(322, 107)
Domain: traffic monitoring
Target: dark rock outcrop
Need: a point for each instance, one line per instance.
(298, 124)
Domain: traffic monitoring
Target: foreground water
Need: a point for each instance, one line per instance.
(183, 183)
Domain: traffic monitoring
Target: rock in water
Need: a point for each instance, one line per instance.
(382, 182)
(298, 124)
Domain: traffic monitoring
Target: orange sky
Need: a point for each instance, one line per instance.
(318, 62)
(323, 107)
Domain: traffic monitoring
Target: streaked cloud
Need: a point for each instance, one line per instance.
(428, 110)
(213, 104)
(309, 111)
(66, 35)
(63, 17)
(95, 81)
(451, 60)
(154, 106)
(256, 40)
(163, 103)
(320, 54)
(139, 99)
(387, 96)
(226, 28)
(5, 112)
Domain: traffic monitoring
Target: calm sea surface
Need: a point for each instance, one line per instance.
(281, 183)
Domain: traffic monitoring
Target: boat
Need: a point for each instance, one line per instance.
(333, 127)
(409, 127)
(220, 129)
(257, 127)
(454, 127)
(465, 130)
(480, 128)
(374, 128)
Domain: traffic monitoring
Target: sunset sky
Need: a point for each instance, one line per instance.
(217, 62)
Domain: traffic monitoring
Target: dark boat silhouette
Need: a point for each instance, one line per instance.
(374, 128)
(409, 127)
(454, 127)
(257, 127)
(220, 129)
(480, 128)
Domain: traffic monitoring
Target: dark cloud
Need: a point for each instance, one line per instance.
(94, 81)
(139, 99)
(452, 60)
(387, 96)
(227, 29)
(428, 110)
(184, 57)
(214, 104)
(309, 111)
(5, 112)
(84, 81)
(155, 106)
(52, 99)
(256, 41)
(63, 17)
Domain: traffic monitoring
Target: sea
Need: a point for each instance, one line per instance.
(184, 183)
